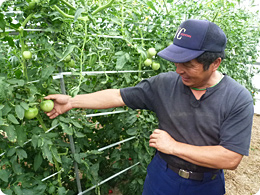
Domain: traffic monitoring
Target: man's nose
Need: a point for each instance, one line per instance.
(179, 68)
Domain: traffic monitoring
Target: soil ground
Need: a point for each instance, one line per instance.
(245, 180)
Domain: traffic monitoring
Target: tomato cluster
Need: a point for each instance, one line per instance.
(32, 112)
(151, 52)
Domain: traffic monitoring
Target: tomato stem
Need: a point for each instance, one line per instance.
(85, 18)
(99, 9)
(68, 4)
(39, 118)
(165, 5)
(24, 67)
(58, 169)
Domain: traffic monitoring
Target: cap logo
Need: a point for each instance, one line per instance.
(180, 33)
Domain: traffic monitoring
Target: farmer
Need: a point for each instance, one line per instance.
(205, 117)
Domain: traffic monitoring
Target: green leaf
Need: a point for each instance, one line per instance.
(77, 158)
(53, 2)
(21, 153)
(61, 191)
(131, 131)
(12, 118)
(150, 4)
(2, 106)
(9, 40)
(2, 22)
(46, 72)
(21, 136)
(66, 129)
(78, 13)
(18, 190)
(55, 153)
(76, 124)
(11, 133)
(4, 175)
(37, 161)
(79, 134)
(46, 152)
(141, 51)
(11, 152)
(69, 49)
(2, 122)
(119, 53)
(35, 141)
(121, 61)
(19, 111)
(94, 169)
(17, 168)
(24, 105)
(6, 109)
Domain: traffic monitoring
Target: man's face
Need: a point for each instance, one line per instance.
(193, 74)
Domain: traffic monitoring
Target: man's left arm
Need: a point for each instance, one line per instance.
(216, 157)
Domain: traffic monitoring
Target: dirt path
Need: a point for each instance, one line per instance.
(245, 180)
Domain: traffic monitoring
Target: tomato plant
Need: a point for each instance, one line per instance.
(92, 36)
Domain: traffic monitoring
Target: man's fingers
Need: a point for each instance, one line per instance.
(50, 97)
(53, 115)
(157, 131)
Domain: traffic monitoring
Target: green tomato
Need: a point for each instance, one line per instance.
(155, 65)
(47, 105)
(148, 62)
(67, 59)
(31, 113)
(152, 52)
(71, 63)
(27, 55)
(31, 5)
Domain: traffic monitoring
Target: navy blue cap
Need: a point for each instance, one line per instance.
(192, 39)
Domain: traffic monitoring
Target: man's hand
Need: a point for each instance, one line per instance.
(61, 104)
(162, 141)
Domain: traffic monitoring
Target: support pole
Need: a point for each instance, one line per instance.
(72, 145)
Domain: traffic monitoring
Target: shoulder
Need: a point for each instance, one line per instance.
(166, 76)
(236, 89)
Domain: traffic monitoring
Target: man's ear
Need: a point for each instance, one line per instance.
(216, 64)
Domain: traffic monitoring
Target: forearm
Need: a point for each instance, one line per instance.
(216, 157)
(98, 100)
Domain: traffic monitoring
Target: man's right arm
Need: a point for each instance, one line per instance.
(104, 99)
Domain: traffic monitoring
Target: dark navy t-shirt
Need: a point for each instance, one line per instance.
(223, 115)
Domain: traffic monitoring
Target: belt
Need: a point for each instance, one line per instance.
(190, 174)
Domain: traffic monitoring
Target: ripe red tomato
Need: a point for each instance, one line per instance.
(110, 191)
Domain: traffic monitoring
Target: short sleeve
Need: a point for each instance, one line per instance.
(235, 133)
(140, 96)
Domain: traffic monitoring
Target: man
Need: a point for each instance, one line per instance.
(205, 117)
